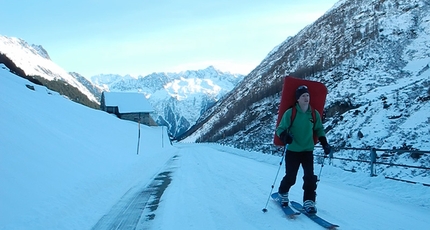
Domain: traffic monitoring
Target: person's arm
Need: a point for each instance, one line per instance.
(285, 123)
(282, 131)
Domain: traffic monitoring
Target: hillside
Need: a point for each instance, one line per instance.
(34, 63)
(63, 165)
(374, 58)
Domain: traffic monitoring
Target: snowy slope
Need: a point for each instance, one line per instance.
(34, 60)
(62, 164)
(65, 166)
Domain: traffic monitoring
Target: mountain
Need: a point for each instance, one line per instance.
(374, 58)
(35, 61)
(178, 98)
(94, 90)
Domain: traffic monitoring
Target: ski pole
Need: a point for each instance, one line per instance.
(322, 165)
(319, 175)
(276, 177)
(138, 136)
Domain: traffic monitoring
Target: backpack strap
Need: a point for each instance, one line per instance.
(314, 117)
(293, 116)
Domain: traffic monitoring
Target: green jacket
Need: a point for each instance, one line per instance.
(301, 130)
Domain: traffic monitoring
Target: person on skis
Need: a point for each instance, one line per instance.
(298, 134)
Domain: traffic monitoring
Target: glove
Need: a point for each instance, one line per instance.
(325, 145)
(286, 137)
(327, 149)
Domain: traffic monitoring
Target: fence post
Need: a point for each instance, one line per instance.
(372, 162)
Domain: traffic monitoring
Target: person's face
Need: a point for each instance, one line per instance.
(304, 99)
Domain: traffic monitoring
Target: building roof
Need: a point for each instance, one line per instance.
(128, 102)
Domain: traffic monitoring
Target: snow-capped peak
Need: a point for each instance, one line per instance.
(178, 98)
(34, 60)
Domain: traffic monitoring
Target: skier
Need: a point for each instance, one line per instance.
(298, 134)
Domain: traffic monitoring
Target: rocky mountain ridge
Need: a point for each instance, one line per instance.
(34, 60)
(178, 98)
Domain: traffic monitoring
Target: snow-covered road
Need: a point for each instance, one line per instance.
(224, 188)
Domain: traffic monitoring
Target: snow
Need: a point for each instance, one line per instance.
(181, 88)
(66, 166)
(128, 102)
(177, 98)
(34, 60)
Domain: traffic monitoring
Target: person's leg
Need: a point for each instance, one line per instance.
(309, 179)
(292, 164)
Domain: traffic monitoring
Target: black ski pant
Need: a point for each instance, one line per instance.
(292, 164)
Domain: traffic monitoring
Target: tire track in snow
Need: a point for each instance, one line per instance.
(136, 209)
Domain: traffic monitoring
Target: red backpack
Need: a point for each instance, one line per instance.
(318, 93)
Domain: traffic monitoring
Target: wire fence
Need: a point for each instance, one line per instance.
(371, 158)
(373, 162)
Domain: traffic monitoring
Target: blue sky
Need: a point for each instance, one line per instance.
(139, 37)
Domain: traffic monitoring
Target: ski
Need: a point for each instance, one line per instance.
(291, 214)
(314, 217)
